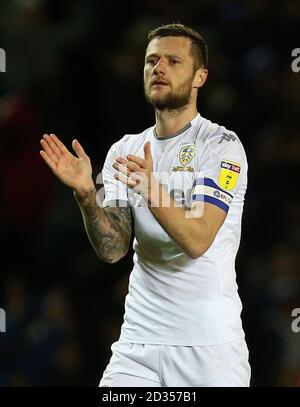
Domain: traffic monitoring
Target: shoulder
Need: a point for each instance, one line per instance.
(130, 141)
(218, 141)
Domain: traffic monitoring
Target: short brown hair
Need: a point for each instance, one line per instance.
(199, 47)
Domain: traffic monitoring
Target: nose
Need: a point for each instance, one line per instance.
(160, 67)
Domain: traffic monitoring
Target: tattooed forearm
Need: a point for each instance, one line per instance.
(121, 228)
(108, 229)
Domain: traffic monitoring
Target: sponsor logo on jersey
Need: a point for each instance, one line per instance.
(228, 175)
(230, 166)
(227, 137)
(186, 154)
(222, 196)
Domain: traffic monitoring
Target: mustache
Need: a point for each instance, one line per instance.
(159, 81)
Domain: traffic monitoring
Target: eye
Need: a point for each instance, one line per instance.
(151, 61)
(175, 61)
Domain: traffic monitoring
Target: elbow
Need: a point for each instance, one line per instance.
(197, 250)
(109, 260)
(198, 245)
(113, 258)
(194, 254)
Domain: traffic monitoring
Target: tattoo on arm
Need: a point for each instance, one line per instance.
(109, 229)
(117, 242)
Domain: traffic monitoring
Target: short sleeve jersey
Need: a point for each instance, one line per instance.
(173, 299)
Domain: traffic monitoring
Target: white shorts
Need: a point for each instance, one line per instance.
(138, 365)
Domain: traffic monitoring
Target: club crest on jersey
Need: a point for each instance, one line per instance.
(186, 154)
(228, 175)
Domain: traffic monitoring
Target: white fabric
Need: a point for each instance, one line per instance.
(172, 299)
(139, 365)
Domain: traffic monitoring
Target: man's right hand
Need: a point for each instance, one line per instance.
(109, 229)
(76, 172)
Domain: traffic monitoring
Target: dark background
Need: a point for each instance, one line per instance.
(74, 68)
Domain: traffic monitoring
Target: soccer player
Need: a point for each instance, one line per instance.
(183, 181)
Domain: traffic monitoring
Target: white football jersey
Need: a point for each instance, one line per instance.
(173, 299)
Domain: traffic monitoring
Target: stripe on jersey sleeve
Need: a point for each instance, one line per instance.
(205, 189)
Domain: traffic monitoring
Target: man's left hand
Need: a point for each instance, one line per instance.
(136, 172)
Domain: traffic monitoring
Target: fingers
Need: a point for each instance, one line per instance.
(147, 151)
(51, 145)
(129, 173)
(126, 176)
(121, 163)
(59, 145)
(127, 181)
(49, 152)
(79, 150)
(48, 160)
(122, 169)
(139, 161)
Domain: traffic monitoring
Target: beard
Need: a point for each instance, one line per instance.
(171, 101)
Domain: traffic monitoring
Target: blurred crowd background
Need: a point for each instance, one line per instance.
(74, 68)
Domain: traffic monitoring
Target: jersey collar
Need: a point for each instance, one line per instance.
(186, 127)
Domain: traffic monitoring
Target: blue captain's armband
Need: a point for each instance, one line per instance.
(205, 189)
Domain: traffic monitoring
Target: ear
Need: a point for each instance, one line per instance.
(200, 78)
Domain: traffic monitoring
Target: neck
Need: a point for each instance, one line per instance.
(169, 122)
